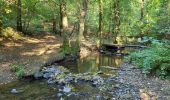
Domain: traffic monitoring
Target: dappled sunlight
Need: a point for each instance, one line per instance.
(1, 39)
(33, 40)
(48, 49)
(9, 44)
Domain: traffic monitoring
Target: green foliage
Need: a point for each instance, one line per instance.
(69, 50)
(10, 33)
(155, 59)
(19, 70)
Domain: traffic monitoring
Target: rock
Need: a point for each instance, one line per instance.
(48, 75)
(38, 75)
(59, 94)
(66, 89)
(68, 79)
(14, 91)
(98, 97)
(51, 81)
(97, 80)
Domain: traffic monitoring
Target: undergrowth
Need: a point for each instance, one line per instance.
(19, 70)
(155, 59)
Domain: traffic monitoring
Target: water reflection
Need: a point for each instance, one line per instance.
(36, 90)
(95, 63)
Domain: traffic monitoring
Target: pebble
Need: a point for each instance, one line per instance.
(66, 89)
(14, 91)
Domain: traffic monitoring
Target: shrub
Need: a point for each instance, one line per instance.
(10, 33)
(155, 59)
(19, 70)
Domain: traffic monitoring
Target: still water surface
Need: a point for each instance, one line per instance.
(40, 90)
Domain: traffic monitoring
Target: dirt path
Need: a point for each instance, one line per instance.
(30, 53)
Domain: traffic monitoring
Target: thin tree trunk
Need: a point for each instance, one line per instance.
(1, 24)
(19, 16)
(54, 23)
(142, 16)
(142, 10)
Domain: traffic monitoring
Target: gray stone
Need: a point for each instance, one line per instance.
(38, 75)
(97, 80)
(48, 75)
(51, 81)
(66, 89)
(59, 94)
(14, 91)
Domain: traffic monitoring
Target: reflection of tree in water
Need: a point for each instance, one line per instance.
(95, 63)
(87, 65)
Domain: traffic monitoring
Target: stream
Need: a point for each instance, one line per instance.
(103, 66)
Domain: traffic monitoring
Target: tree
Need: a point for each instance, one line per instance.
(83, 12)
(0, 25)
(116, 18)
(64, 23)
(100, 18)
(19, 15)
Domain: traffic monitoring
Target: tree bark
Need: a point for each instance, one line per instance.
(100, 27)
(63, 16)
(100, 18)
(54, 23)
(142, 16)
(116, 19)
(82, 16)
(142, 10)
(64, 23)
(19, 15)
(1, 26)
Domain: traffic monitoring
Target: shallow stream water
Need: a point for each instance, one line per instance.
(40, 90)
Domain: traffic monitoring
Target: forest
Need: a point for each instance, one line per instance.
(85, 49)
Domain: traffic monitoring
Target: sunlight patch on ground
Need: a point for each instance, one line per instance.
(13, 44)
(43, 50)
(33, 40)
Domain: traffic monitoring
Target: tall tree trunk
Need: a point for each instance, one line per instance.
(100, 28)
(63, 17)
(100, 18)
(83, 13)
(116, 19)
(19, 16)
(64, 23)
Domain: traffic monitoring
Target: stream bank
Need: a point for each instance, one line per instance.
(98, 77)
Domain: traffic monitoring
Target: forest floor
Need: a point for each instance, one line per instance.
(150, 87)
(29, 52)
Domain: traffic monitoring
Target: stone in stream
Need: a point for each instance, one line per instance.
(66, 89)
(97, 80)
(68, 79)
(48, 75)
(38, 75)
(51, 81)
(14, 91)
(59, 94)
